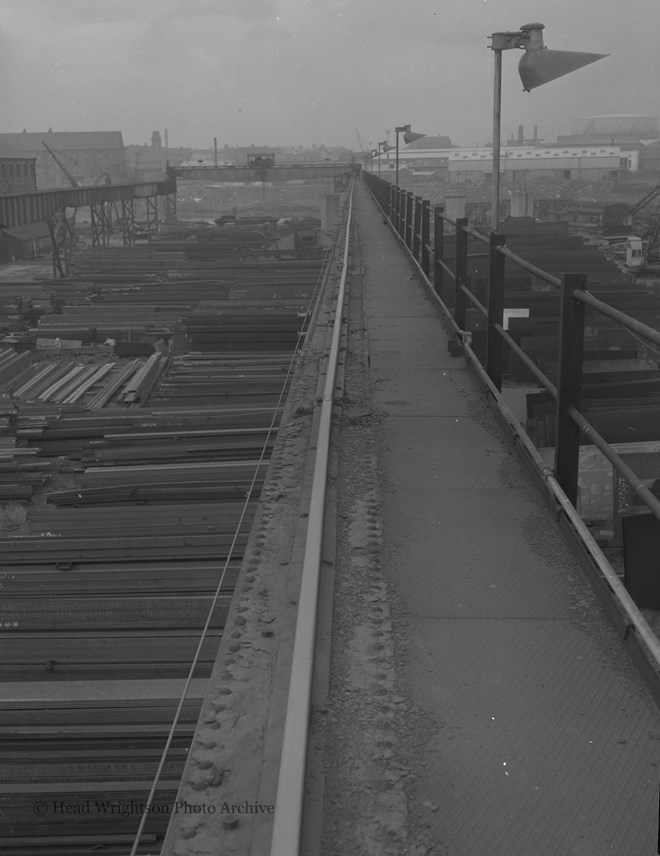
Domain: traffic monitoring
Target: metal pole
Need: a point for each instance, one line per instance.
(397, 159)
(438, 251)
(460, 272)
(408, 238)
(417, 228)
(495, 343)
(497, 120)
(426, 237)
(569, 385)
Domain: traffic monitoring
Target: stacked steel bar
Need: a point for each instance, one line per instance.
(108, 576)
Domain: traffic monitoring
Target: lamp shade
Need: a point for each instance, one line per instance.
(537, 67)
(411, 136)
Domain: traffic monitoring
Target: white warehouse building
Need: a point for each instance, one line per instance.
(516, 162)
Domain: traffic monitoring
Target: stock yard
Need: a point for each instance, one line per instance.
(260, 598)
(141, 401)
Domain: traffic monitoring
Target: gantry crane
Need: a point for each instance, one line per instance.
(66, 172)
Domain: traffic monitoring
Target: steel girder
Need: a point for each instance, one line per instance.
(152, 215)
(101, 220)
(282, 172)
(19, 209)
(61, 230)
(128, 222)
(170, 209)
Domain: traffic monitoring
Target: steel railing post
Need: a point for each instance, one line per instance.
(460, 279)
(569, 385)
(495, 343)
(409, 219)
(399, 211)
(438, 251)
(417, 228)
(426, 237)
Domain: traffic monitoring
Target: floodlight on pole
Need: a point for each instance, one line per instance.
(408, 137)
(381, 146)
(537, 66)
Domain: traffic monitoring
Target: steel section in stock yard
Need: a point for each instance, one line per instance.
(108, 573)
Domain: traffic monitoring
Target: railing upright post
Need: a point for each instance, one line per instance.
(495, 346)
(417, 228)
(460, 278)
(438, 251)
(426, 237)
(569, 385)
(409, 219)
(399, 211)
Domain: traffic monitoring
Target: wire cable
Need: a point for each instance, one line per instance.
(271, 428)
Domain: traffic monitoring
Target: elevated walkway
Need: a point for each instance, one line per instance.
(545, 739)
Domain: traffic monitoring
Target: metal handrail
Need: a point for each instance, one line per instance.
(529, 363)
(475, 300)
(634, 630)
(650, 500)
(629, 323)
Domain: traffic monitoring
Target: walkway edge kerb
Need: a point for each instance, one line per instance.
(631, 626)
(287, 821)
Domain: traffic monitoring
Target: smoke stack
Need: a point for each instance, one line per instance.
(521, 135)
(215, 151)
(166, 143)
(536, 132)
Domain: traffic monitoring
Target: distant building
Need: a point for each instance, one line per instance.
(460, 165)
(568, 163)
(17, 172)
(615, 130)
(86, 155)
(649, 157)
(148, 163)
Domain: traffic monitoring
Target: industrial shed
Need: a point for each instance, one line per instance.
(24, 242)
(85, 155)
(519, 162)
(17, 171)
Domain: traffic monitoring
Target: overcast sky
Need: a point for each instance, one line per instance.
(298, 72)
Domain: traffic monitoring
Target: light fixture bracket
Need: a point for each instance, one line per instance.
(528, 37)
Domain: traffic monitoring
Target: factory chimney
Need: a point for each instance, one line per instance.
(521, 135)
(166, 143)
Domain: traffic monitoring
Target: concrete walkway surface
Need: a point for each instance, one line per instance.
(546, 742)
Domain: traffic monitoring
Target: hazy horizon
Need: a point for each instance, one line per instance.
(303, 72)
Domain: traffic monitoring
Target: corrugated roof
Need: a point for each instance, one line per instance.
(9, 152)
(431, 142)
(29, 141)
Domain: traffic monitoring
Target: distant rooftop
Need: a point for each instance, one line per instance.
(431, 142)
(9, 152)
(30, 141)
(623, 123)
